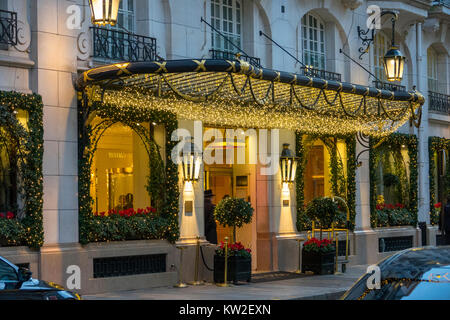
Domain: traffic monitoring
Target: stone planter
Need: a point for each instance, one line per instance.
(319, 263)
(239, 269)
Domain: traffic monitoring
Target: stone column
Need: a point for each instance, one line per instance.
(191, 221)
(366, 240)
(284, 209)
(55, 54)
(423, 161)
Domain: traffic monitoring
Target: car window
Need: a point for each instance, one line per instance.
(7, 272)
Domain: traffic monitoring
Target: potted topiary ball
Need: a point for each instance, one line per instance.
(233, 212)
(319, 255)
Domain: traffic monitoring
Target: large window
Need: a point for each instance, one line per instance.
(432, 70)
(324, 158)
(226, 16)
(125, 17)
(120, 170)
(313, 41)
(380, 47)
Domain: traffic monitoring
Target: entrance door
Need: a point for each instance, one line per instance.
(226, 182)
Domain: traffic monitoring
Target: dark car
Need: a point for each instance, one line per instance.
(17, 284)
(412, 274)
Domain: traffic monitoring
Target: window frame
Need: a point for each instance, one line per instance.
(432, 65)
(221, 20)
(310, 38)
(379, 49)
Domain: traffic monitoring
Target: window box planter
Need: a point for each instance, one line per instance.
(318, 262)
(239, 269)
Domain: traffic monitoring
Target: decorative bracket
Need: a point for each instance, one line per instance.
(367, 40)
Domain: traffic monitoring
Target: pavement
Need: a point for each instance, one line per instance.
(320, 287)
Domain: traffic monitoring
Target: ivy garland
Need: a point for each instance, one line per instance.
(162, 184)
(396, 140)
(437, 144)
(338, 182)
(31, 151)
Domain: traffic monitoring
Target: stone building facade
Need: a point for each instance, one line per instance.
(56, 42)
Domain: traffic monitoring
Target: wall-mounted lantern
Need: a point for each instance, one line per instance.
(288, 162)
(104, 12)
(393, 60)
(394, 63)
(191, 163)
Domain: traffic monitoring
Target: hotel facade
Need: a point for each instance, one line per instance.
(94, 108)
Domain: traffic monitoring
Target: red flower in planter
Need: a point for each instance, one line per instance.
(2, 215)
(438, 205)
(9, 215)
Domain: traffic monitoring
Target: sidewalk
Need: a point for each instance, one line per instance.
(309, 287)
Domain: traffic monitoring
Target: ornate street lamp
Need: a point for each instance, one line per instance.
(394, 63)
(191, 163)
(288, 162)
(104, 12)
(393, 60)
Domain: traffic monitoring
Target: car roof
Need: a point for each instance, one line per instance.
(9, 263)
(414, 263)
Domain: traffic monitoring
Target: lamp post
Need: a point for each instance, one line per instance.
(288, 162)
(104, 12)
(393, 60)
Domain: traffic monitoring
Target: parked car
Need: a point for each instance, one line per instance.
(412, 274)
(17, 284)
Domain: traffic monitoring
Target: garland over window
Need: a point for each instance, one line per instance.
(395, 141)
(435, 145)
(336, 172)
(24, 227)
(162, 184)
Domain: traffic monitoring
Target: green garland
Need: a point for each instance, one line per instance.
(437, 144)
(31, 146)
(396, 140)
(338, 181)
(162, 183)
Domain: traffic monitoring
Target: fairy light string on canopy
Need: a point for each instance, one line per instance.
(221, 92)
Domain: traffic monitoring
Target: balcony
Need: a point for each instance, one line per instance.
(439, 102)
(228, 55)
(122, 46)
(323, 74)
(8, 27)
(388, 86)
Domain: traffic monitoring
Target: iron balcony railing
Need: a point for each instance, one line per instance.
(228, 55)
(388, 86)
(8, 27)
(122, 46)
(439, 102)
(323, 74)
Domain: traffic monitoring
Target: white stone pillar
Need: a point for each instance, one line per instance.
(191, 221)
(366, 240)
(55, 54)
(423, 160)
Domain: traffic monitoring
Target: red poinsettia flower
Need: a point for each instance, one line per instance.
(9, 215)
(438, 205)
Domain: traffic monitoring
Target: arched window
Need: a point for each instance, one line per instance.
(432, 70)
(120, 169)
(380, 47)
(226, 16)
(313, 41)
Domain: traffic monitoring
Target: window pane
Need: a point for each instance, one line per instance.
(120, 170)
